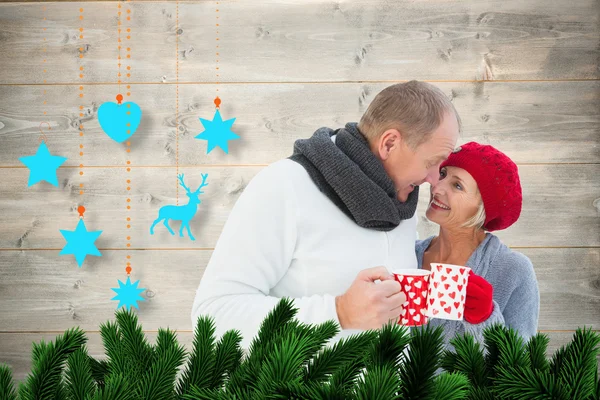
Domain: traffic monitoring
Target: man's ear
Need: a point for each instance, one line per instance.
(389, 141)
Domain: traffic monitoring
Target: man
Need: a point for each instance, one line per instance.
(324, 225)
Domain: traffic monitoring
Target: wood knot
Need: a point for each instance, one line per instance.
(596, 203)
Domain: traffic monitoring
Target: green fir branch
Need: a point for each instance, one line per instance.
(116, 388)
(511, 349)
(100, 370)
(345, 378)
(389, 347)
(536, 350)
(201, 363)
(492, 352)
(519, 383)
(158, 383)
(116, 361)
(451, 386)
(79, 382)
(424, 352)
(330, 359)
(468, 359)
(228, 357)
(135, 346)
(379, 382)
(276, 319)
(579, 365)
(284, 363)
(45, 378)
(7, 387)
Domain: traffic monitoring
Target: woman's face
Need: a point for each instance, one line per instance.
(454, 199)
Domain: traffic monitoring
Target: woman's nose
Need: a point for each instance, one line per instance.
(438, 188)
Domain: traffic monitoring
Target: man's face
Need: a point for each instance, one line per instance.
(410, 168)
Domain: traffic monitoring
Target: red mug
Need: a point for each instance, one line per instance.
(414, 284)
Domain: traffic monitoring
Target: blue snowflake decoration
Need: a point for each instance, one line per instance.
(128, 294)
(217, 132)
(80, 242)
(42, 166)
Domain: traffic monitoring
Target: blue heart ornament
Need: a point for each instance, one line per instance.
(114, 119)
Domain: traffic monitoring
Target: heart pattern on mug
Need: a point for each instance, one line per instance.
(447, 286)
(434, 295)
(415, 287)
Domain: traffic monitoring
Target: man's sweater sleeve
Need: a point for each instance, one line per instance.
(254, 251)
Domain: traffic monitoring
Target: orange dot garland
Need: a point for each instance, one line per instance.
(80, 242)
(216, 131)
(120, 120)
(43, 165)
(128, 293)
(81, 55)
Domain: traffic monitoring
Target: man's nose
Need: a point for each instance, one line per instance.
(433, 178)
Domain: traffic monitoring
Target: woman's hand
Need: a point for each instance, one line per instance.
(367, 305)
(478, 303)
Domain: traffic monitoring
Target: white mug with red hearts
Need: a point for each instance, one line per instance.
(447, 291)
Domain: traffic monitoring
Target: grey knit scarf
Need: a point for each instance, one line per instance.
(349, 174)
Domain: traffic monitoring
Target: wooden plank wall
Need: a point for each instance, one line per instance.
(524, 76)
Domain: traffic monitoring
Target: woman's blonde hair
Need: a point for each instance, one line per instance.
(478, 219)
(414, 108)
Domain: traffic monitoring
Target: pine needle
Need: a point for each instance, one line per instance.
(451, 386)
(536, 350)
(135, 346)
(158, 383)
(490, 336)
(380, 382)
(389, 346)
(284, 364)
(467, 359)
(200, 366)
(344, 379)
(520, 383)
(277, 318)
(116, 388)
(111, 338)
(579, 365)
(45, 378)
(424, 353)
(7, 387)
(100, 370)
(330, 359)
(78, 378)
(228, 357)
(510, 347)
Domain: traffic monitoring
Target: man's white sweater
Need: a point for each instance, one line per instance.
(284, 238)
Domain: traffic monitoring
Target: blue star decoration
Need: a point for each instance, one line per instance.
(128, 294)
(42, 166)
(80, 242)
(217, 132)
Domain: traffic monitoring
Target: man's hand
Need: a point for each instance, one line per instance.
(370, 305)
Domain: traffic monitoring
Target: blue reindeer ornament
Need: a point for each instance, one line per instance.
(183, 213)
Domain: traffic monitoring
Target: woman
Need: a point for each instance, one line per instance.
(479, 191)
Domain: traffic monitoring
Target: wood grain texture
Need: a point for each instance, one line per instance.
(287, 67)
(15, 349)
(33, 216)
(40, 290)
(533, 122)
(283, 41)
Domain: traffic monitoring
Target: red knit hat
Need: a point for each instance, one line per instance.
(497, 177)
